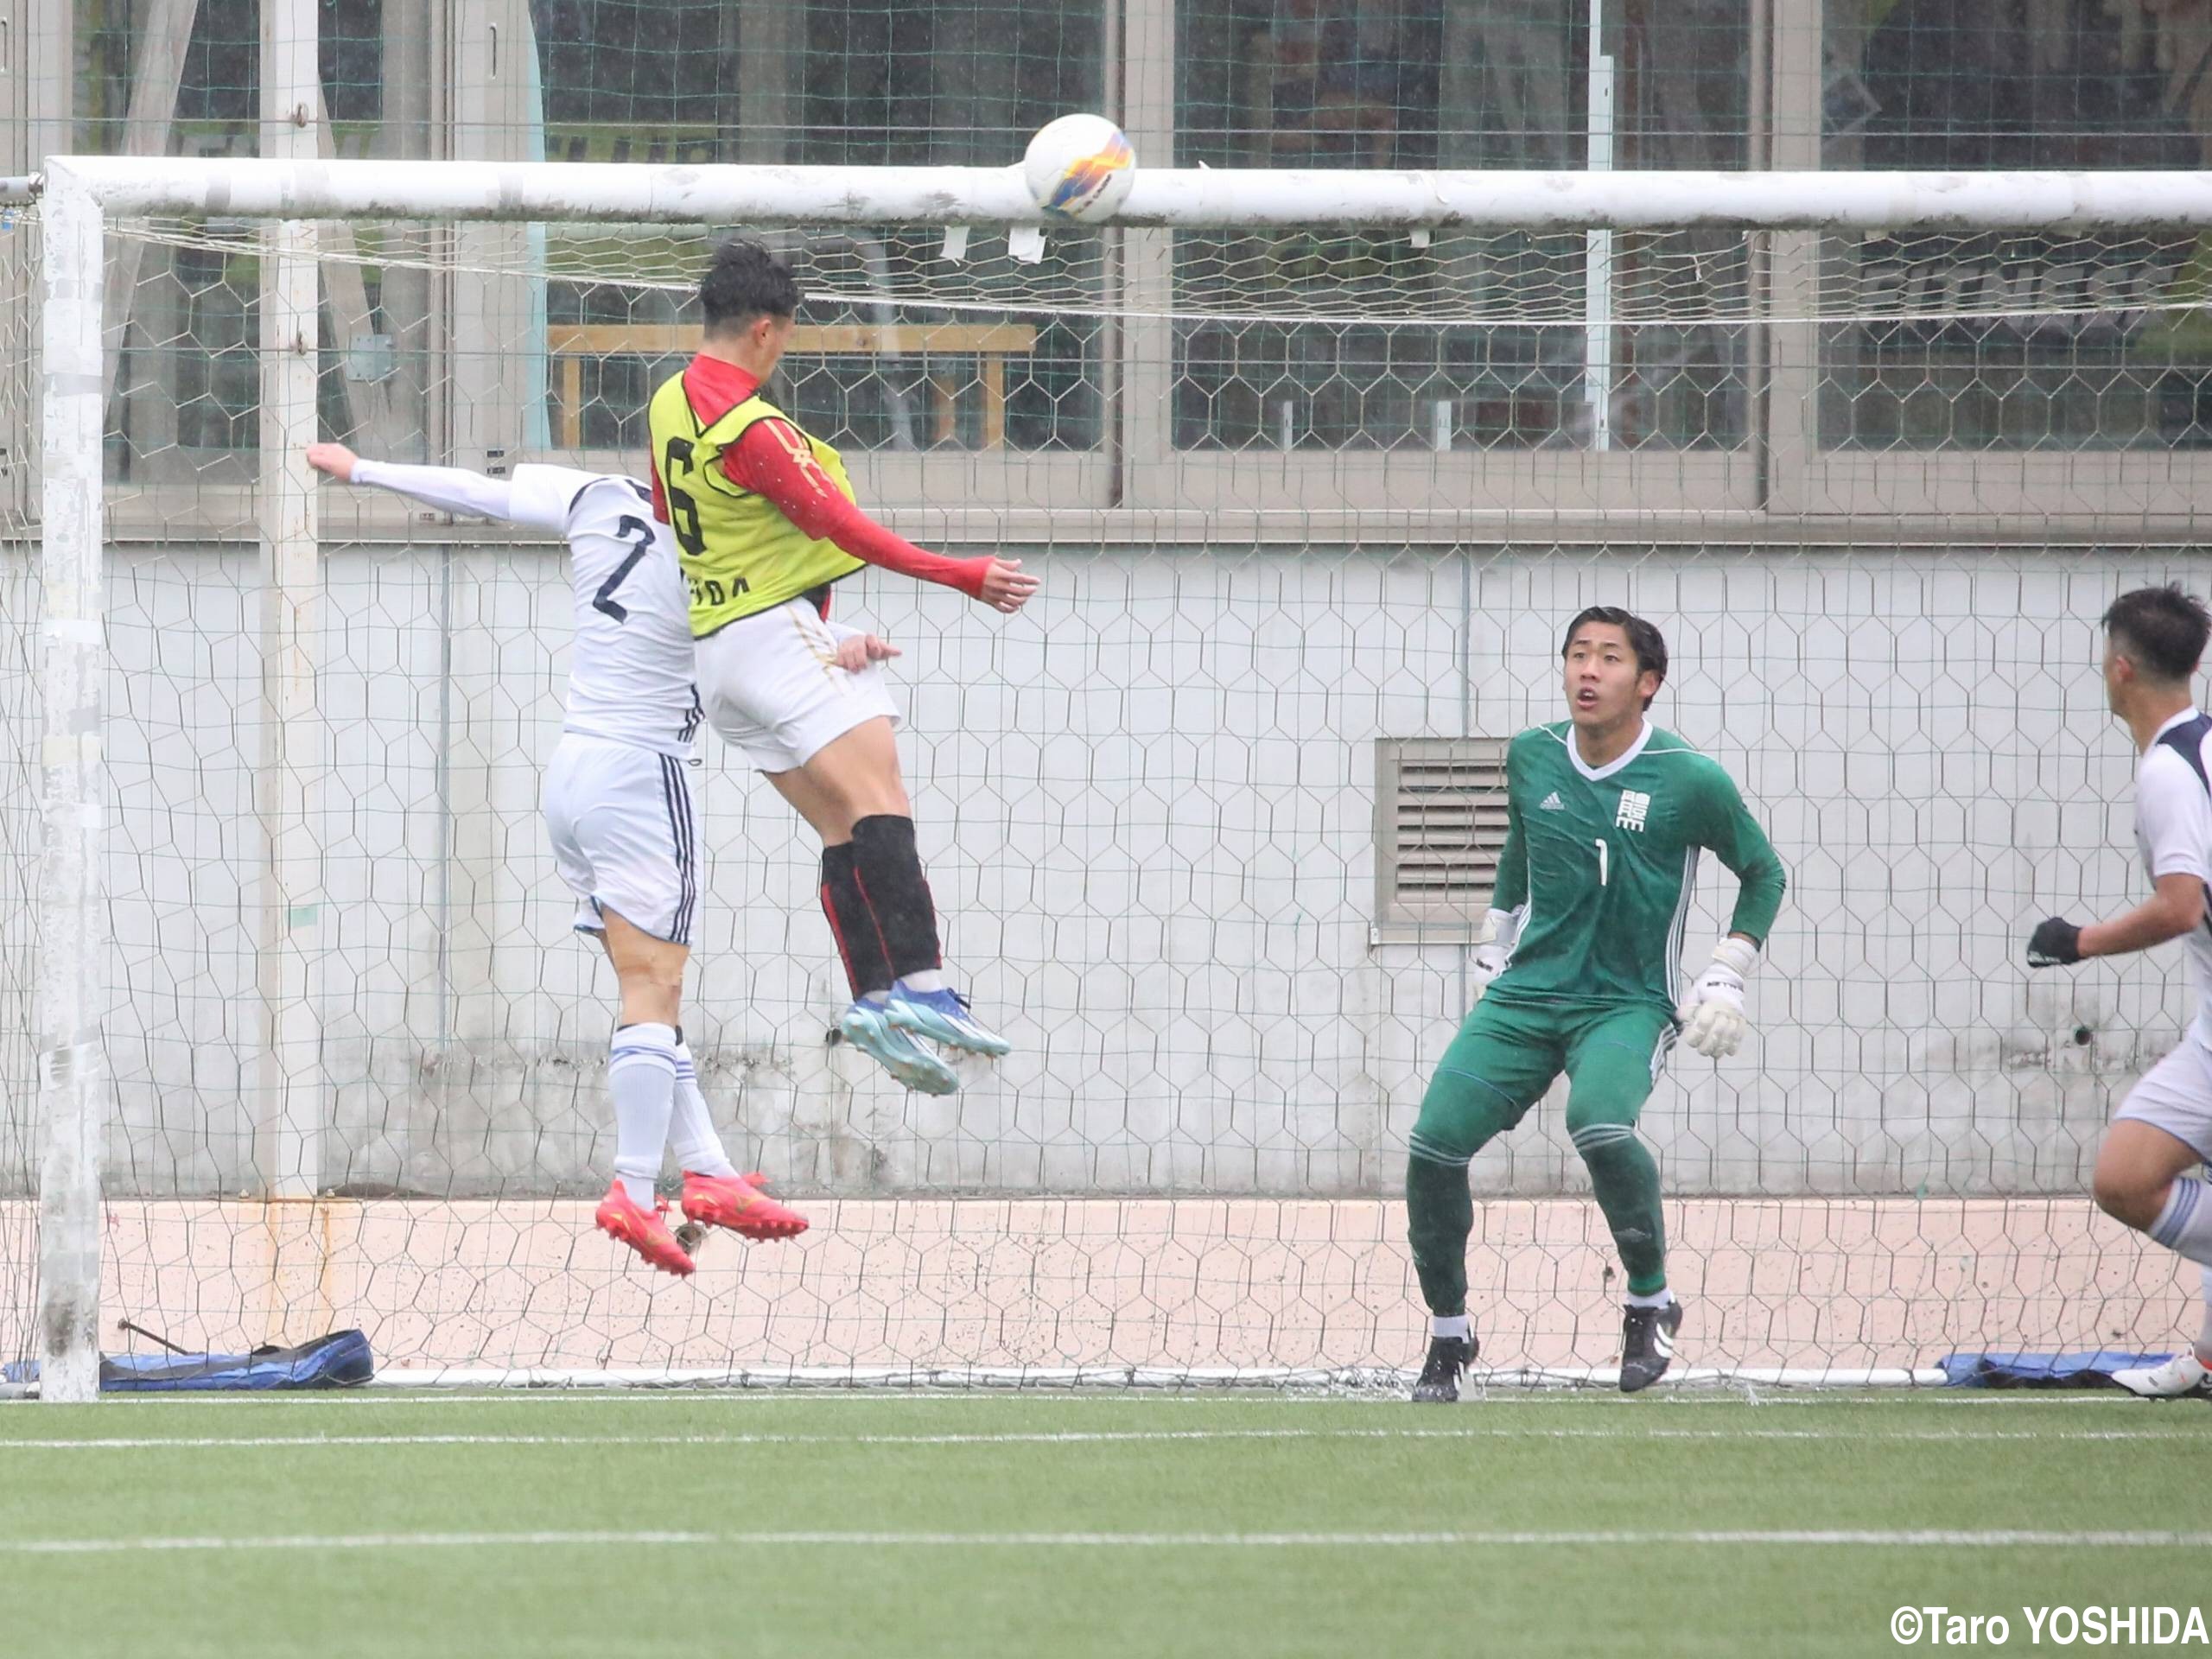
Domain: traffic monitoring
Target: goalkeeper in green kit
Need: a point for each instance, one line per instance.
(1577, 970)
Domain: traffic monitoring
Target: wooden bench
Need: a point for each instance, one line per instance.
(991, 342)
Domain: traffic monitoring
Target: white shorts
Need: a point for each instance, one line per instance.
(2176, 1096)
(771, 686)
(626, 836)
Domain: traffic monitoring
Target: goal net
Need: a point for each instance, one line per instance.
(1211, 824)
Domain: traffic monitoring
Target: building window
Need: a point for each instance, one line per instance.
(626, 82)
(1474, 341)
(2016, 343)
(898, 348)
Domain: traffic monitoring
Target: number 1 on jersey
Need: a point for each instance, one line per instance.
(1601, 860)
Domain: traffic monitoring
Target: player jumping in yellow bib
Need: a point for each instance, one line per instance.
(765, 521)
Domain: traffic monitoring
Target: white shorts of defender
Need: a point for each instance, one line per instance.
(2176, 1096)
(771, 686)
(626, 836)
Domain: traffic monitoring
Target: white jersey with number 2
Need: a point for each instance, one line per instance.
(631, 674)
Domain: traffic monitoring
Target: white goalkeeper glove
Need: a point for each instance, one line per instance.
(1494, 946)
(1713, 1013)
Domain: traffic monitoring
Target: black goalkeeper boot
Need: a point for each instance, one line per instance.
(1647, 1344)
(1448, 1357)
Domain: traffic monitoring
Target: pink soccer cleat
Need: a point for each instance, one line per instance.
(737, 1202)
(619, 1216)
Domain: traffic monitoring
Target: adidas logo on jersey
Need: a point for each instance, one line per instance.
(1552, 802)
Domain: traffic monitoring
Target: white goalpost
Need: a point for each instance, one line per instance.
(304, 1044)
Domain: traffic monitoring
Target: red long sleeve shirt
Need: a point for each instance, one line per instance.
(774, 459)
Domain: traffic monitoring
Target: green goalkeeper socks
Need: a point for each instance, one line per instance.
(1625, 1177)
(1439, 1214)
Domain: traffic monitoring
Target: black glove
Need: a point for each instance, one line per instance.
(2056, 943)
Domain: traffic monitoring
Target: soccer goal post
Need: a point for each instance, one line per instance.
(1316, 465)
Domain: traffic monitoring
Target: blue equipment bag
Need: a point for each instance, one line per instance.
(2080, 1370)
(341, 1360)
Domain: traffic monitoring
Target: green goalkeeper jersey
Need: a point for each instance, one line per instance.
(1605, 859)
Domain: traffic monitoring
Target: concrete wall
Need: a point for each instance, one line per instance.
(1147, 806)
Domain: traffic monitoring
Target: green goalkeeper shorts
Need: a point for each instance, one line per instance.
(1507, 1054)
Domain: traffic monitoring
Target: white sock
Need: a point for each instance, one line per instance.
(928, 979)
(692, 1128)
(2184, 1226)
(1448, 1324)
(1658, 1298)
(641, 1077)
(2205, 1336)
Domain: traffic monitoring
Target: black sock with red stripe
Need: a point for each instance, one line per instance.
(889, 871)
(868, 967)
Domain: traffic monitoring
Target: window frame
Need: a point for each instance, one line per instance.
(1135, 476)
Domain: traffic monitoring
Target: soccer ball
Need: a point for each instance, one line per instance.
(1079, 166)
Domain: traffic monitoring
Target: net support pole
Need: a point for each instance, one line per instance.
(1598, 248)
(288, 1094)
(73, 1082)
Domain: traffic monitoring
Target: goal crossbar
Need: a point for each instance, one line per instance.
(1160, 197)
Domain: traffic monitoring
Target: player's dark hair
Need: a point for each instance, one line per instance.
(1643, 639)
(2161, 630)
(745, 280)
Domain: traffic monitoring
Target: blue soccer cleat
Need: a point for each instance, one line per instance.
(866, 1027)
(943, 1017)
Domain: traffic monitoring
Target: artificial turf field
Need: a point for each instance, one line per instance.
(886, 1526)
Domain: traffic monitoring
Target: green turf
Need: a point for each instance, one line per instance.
(1226, 1467)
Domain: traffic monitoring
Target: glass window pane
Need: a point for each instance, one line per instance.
(1481, 341)
(953, 85)
(187, 379)
(1007, 352)
(2016, 342)
(217, 110)
(961, 82)
(896, 348)
(627, 82)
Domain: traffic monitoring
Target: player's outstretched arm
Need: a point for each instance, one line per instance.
(1714, 1021)
(450, 489)
(774, 461)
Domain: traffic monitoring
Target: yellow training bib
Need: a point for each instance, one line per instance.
(741, 554)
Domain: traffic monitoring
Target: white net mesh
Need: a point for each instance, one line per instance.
(1481, 341)
(1307, 504)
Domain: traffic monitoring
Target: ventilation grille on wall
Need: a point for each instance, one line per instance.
(1440, 828)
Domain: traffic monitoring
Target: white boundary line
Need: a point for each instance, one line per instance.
(1140, 1378)
(1902, 1540)
(1662, 1398)
(1094, 1437)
